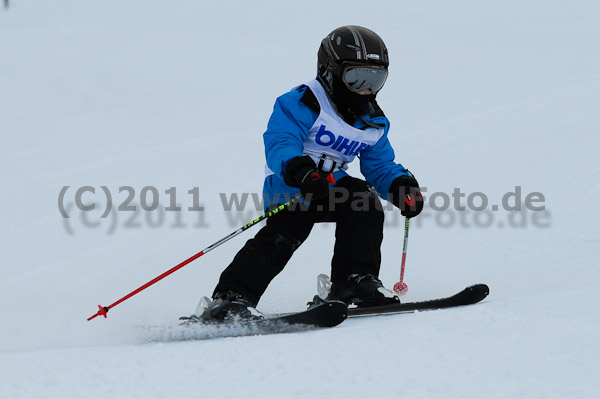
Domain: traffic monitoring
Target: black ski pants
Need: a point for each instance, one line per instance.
(353, 205)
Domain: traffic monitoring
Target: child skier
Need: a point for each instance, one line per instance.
(315, 130)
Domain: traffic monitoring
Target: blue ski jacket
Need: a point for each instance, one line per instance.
(284, 139)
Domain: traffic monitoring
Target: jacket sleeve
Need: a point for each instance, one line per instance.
(378, 166)
(287, 129)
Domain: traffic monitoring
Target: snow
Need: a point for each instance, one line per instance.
(482, 95)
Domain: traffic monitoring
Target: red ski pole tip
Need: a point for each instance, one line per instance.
(102, 311)
(400, 288)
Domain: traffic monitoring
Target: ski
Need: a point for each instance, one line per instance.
(319, 315)
(323, 315)
(469, 296)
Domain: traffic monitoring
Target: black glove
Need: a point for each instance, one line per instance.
(302, 172)
(405, 194)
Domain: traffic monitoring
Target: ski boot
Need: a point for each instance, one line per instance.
(230, 306)
(362, 290)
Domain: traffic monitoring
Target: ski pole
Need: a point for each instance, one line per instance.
(104, 309)
(400, 287)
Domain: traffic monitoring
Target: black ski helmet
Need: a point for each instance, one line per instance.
(349, 45)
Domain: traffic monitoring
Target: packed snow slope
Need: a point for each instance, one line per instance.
(483, 96)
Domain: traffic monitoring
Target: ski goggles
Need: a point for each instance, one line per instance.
(358, 78)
